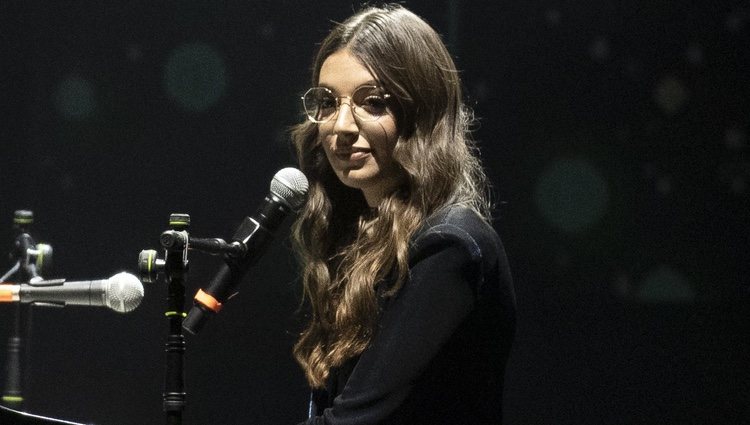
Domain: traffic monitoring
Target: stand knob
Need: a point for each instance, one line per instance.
(179, 221)
(149, 265)
(23, 218)
(43, 257)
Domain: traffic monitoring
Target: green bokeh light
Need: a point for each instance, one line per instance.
(571, 194)
(195, 76)
(75, 98)
(663, 284)
(671, 95)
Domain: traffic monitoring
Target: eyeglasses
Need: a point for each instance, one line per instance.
(367, 102)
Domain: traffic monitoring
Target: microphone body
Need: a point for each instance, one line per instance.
(255, 232)
(288, 191)
(122, 292)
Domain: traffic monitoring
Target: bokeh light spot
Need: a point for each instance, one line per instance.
(195, 76)
(74, 98)
(735, 138)
(695, 54)
(600, 49)
(553, 17)
(481, 90)
(736, 20)
(267, 31)
(663, 284)
(664, 184)
(571, 194)
(134, 53)
(671, 95)
(739, 185)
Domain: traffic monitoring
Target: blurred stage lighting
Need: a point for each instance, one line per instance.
(671, 95)
(195, 76)
(664, 285)
(735, 138)
(600, 49)
(74, 98)
(553, 17)
(571, 194)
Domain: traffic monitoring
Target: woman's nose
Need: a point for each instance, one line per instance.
(345, 122)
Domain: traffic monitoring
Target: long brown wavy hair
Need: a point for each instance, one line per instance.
(348, 251)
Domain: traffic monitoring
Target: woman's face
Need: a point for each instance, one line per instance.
(360, 152)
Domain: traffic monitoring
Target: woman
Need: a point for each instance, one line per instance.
(411, 302)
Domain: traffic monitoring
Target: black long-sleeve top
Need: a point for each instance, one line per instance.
(441, 346)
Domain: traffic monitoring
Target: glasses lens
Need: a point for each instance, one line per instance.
(371, 102)
(367, 102)
(319, 103)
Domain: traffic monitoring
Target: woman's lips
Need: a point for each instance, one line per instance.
(353, 155)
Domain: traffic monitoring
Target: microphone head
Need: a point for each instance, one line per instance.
(123, 292)
(291, 186)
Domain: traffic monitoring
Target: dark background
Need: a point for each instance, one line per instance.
(616, 135)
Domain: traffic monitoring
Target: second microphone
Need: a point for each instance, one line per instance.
(287, 194)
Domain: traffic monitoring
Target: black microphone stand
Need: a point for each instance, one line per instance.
(25, 271)
(175, 271)
(174, 267)
(30, 259)
(176, 243)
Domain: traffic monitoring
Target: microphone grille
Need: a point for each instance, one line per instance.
(123, 293)
(291, 186)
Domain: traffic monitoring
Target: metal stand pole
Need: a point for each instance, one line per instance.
(174, 266)
(24, 270)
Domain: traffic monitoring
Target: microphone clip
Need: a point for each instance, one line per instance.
(175, 242)
(31, 259)
(45, 283)
(178, 240)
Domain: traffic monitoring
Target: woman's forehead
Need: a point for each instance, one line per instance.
(343, 73)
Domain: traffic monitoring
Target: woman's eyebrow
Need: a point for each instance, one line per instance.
(336, 92)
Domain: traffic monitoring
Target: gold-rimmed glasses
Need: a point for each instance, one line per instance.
(368, 103)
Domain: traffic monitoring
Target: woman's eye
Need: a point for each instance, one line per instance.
(374, 104)
(327, 102)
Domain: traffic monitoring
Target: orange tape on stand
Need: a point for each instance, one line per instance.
(208, 300)
(6, 293)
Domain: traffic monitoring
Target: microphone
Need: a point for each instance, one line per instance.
(122, 292)
(288, 193)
